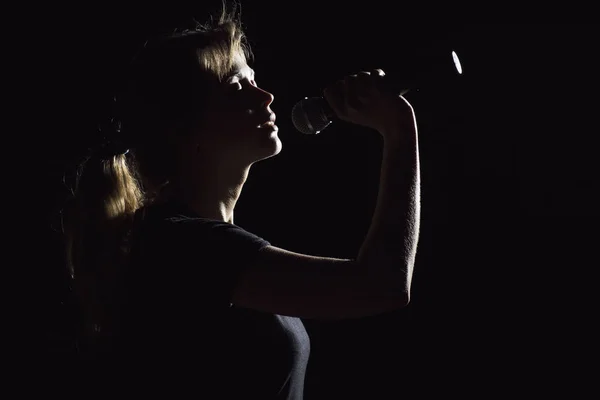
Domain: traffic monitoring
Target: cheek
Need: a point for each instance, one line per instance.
(235, 125)
(226, 121)
(225, 135)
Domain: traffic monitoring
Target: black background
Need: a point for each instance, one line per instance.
(503, 283)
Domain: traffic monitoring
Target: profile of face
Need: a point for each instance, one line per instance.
(237, 126)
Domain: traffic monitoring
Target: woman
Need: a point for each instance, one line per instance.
(172, 290)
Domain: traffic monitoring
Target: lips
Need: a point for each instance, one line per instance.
(269, 121)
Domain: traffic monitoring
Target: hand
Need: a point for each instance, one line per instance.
(365, 100)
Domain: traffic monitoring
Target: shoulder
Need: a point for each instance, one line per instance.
(173, 222)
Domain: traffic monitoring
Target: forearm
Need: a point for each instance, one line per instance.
(390, 246)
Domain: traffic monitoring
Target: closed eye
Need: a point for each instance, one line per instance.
(251, 81)
(239, 85)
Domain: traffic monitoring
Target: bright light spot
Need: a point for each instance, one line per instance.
(457, 62)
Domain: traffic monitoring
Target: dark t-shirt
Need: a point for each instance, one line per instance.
(180, 328)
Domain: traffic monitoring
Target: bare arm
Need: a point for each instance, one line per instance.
(379, 279)
(390, 246)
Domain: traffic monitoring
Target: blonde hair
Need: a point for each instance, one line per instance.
(99, 217)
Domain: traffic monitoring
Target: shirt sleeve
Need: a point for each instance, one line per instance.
(206, 256)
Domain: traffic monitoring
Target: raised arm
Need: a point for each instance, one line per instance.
(379, 278)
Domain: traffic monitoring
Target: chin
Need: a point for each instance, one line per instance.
(270, 147)
(271, 144)
(277, 146)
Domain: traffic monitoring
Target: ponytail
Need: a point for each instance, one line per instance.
(97, 227)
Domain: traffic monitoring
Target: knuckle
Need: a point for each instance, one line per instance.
(350, 78)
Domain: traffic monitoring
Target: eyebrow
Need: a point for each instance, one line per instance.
(240, 72)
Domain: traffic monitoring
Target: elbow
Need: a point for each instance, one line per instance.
(390, 287)
(402, 299)
(405, 299)
(397, 286)
(395, 298)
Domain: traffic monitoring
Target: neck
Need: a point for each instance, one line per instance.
(212, 193)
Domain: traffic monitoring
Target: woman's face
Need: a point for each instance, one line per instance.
(237, 124)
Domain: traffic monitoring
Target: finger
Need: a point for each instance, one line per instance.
(360, 78)
(357, 89)
(377, 77)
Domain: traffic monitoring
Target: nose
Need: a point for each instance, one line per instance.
(266, 98)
